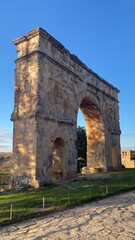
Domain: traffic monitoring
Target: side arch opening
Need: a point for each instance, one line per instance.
(58, 162)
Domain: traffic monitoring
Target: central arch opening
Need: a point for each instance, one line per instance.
(58, 163)
(94, 135)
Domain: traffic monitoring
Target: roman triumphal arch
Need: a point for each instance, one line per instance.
(50, 86)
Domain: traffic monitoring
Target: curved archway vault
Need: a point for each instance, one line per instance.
(95, 136)
(50, 85)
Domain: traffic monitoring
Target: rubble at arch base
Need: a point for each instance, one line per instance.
(50, 86)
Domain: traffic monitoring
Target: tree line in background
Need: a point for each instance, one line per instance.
(81, 148)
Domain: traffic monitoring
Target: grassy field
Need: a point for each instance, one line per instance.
(18, 205)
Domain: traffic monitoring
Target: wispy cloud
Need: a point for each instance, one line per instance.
(5, 134)
(128, 148)
(128, 135)
(5, 140)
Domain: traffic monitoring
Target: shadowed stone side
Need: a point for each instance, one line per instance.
(50, 86)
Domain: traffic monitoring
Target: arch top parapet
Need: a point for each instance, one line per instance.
(41, 41)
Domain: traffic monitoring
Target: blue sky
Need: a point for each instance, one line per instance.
(100, 32)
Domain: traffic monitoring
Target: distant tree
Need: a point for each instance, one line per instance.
(81, 148)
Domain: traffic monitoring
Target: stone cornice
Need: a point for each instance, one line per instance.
(29, 35)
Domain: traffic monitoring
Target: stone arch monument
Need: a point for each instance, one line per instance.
(50, 86)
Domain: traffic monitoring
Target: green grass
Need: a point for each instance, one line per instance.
(28, 203)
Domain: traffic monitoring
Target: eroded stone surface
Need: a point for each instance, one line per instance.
(107, 219)
(50, 86)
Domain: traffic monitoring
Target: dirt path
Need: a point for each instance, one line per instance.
(108, 219)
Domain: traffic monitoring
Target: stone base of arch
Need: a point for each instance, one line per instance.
(20, 182)
(90, 170)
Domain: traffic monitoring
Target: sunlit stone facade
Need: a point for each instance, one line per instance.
(50, 86)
